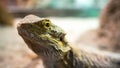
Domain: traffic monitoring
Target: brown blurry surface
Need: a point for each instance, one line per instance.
(110, 25)
(5, 17)
(107, 36)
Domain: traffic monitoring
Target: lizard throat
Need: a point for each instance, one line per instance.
(40, 49)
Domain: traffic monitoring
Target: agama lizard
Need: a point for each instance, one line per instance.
(48, 41)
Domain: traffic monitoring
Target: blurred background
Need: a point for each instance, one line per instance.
(63, 8)
(74, 16)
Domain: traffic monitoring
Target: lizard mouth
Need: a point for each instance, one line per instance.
(23, 31)
(19, 30)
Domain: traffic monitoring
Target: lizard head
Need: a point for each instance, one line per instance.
(42, 36)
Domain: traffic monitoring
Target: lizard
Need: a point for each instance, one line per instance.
(48, 41)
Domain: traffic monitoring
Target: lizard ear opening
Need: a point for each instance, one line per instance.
(62, 37)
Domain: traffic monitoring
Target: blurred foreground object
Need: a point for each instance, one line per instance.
(48, 41)
(5, 17)
(108, 35)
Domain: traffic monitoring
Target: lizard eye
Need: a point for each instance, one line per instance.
(47, 24)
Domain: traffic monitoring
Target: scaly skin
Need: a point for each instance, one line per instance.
(48, 41)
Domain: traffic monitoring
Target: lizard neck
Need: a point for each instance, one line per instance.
(84, 59)
(51, 58)
(72, 60)
(68, 59)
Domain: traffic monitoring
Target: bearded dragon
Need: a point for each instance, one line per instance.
(48, 41)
